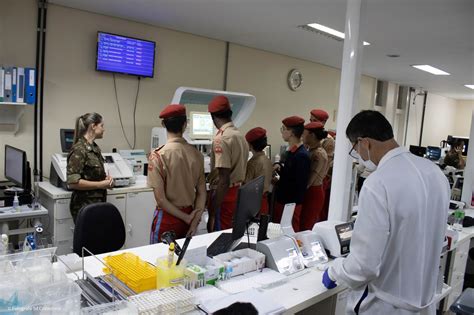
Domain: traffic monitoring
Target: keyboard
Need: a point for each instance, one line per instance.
(221, 245)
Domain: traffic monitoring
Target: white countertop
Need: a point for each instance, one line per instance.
(7, 213)
(301, 291)
(60, 193)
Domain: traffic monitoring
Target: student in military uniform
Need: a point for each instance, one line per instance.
(259, 164)
(294, 173)
(313, 203)
(86, 175)
(454, 156)
(328, 144)
(228, 165)
(176, 174)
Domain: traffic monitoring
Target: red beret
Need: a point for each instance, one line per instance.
(255, 134)
(173, 110)
(320, 114)
(219, 103)
(293, 121)
(314, 125)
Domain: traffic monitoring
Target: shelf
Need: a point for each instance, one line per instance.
(11, 113)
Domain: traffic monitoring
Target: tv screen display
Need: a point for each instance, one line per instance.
(127, 55)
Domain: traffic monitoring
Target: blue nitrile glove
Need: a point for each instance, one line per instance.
(327, 282)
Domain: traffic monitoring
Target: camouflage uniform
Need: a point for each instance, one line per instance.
(85, 161)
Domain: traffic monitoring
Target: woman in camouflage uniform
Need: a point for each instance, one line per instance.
(86, 175)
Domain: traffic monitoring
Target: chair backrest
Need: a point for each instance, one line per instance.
(99, 228)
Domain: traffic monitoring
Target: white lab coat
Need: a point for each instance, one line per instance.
(397, 238)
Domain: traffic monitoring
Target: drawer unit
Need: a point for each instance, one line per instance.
(61, 209)
(63, 229)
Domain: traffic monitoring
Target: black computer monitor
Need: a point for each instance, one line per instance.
(249, 202)
(16, 167)
(417, 150)
(433, 153)
(67, 139)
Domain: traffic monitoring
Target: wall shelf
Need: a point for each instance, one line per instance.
(11, 113)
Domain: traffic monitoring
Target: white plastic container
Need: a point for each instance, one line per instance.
(58, 298)
(242, 261)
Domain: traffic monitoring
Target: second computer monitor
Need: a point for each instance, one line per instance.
(249, 202)
(67, 139)
(201, 126)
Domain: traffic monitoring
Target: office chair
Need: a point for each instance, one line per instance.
(99, 228)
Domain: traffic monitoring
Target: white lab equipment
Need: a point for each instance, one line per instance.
(283, 253)
(115, 166)
(335, 236)
(136, 159)
(311, 248)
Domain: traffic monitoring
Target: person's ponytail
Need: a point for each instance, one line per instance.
(83, 122)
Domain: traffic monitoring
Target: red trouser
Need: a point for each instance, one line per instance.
(278, 212)
(313, 205)
(225, 213)
(163, 222)
(327, 194)
(264, 206)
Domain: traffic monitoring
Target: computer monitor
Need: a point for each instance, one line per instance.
(67, 139)
(16, 167)
(201, 126)
(433, 153)
(417, 150)
(249, 201)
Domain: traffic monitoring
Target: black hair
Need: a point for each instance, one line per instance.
(320, 133)
(226, 114)
(174, 124)
(297, 130)
(259, 144)
(458, 143)
(238, 308)
(370, 124)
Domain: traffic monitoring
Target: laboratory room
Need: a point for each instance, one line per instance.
(236, 157)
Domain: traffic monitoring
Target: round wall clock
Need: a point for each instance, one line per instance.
(295, 79)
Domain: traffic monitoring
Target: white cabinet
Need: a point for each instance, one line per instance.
(136, 206)
(119, 201)
(138, 218)
(457, 268)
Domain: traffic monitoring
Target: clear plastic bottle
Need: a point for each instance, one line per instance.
(16, 203)
(458, 218)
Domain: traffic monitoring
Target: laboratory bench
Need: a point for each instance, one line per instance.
(135, 203)
(302, 293)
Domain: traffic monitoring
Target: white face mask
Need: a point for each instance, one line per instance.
(369, 165)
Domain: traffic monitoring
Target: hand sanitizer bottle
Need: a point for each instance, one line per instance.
(16, 203)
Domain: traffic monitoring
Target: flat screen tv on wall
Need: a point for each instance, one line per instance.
(125, 55)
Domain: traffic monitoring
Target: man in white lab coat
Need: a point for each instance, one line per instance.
(398, 235)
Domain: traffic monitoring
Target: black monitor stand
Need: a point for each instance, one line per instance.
(263, 221)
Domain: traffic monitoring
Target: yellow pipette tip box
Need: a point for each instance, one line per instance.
(136, 273)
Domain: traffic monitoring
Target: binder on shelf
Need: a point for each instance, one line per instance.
(20, 86)
(2, 85)
(30, 85)
(14, 80)
(7, 96)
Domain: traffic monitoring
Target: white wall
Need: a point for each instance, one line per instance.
(462, 124)
(440, 119)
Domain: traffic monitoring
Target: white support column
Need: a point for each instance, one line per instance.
(468, 185)
(348, 105)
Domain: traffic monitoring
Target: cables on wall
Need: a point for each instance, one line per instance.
(131, 146)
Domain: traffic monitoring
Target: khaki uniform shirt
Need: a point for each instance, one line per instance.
(85, 161)
(181, 167)
(257, 166)
(229, 150)
(329, 145)
(319, 166)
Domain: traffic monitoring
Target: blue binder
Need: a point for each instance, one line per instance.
(30, 85)
(7, 95)
(14, 81)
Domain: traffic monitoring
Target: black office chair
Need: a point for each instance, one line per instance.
(99, 228)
